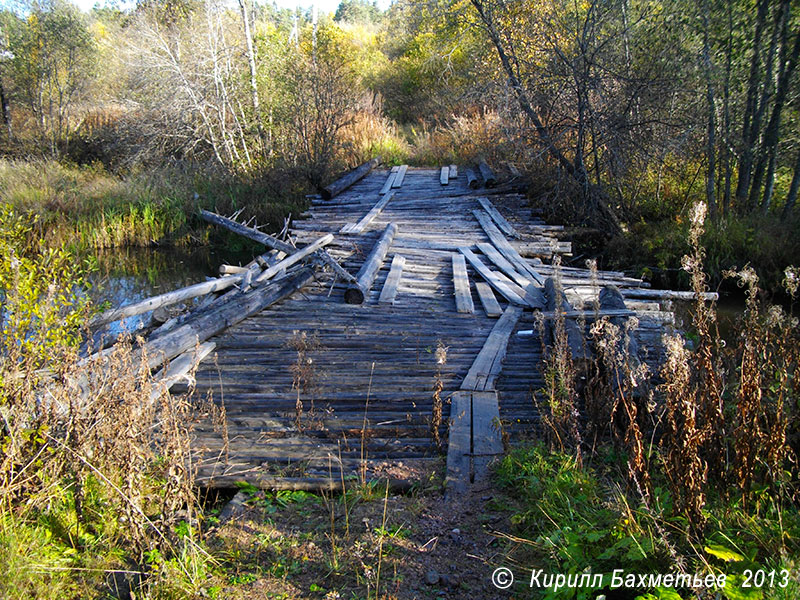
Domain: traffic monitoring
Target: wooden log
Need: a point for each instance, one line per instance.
(488, 175)
(270, 241)
(389, 291)
(173, 297)
(488, 300)
(444, 176)
(356, 292)
(499, 219)
(179, 368)
(357, 174)
(557, 302)
(398, 178)
(199, 329)
(231, 270)
(369, 217)
(294, 258)
(472, 178)
(464, 302)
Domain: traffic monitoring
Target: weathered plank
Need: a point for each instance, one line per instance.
(389, 181)
(501, 221)
(489, 359)
(505, 248)
(464, 302)
(459, 446)
(487, 442)
(369, 217)
(489, 302)
(400, 176)
(491, 277)
(453, 171)
(444, 176)
(357, 174)
(357, 291)
(506, 267)
(389, 291)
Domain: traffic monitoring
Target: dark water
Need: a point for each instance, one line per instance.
(729, 309)
(128, 275)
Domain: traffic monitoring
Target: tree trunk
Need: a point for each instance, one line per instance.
(712, 126)
(791, 199)
(251, 58)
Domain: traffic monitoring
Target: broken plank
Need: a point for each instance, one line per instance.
(294, 258)
(489, 302)
(464, 302)
(505, 248)
(501, 221)
(389, 291)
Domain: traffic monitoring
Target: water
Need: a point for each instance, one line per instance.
(129, 275)
(729, 309)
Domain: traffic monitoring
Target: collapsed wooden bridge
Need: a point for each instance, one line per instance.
(331, 354)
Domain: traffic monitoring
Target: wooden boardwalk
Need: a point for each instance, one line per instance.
(376, 364)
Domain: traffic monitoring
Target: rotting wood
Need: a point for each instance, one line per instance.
(472, 178)
(370, 216)
(499, 219)
(505, 248)
(459, 446)
(357, 291)
(357, 174)
(490, 305)
(400, 176)
(488, 175)
(444, 176)
(293, 258)
(389, 291)
(271, 241)
(464, 302)
(179, 368)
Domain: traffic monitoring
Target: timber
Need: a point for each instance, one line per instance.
(576, 343)
(357, 291)
(294, 258)
(489, 179)
(472, 178)
(344, 182)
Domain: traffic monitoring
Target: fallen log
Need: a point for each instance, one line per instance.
(667, 294)
(294, 258)
(271, 241)
(356, 292)
(472, 178)
(488, 175)
(235, 310)
(357, 174)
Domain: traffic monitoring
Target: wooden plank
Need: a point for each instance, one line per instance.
(389, 181)
(532, 295)
(486, 363)
(464, 302)
(487, 442)
(389, 290)
(459, 445)
(505, 248)
(506, 267)
(491, 278)
(370, 216)
(444, 176)
(398, 178)
(489, 302)
(501, 221)
(453, 171)
(357, 174)
(357, 291)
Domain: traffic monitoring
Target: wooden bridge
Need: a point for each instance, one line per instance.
(343, 377)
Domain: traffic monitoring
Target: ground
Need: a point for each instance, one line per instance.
(415, 545)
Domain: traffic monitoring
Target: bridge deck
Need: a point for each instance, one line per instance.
(375, 363)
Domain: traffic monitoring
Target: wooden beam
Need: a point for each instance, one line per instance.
(459, 446)
(666, 294)
(487, 442)
(444, 176)
(578, 346)
(506, 267)
(389, 181)
(370, 216)
(453, 171)
(501, 221)
(472, 178)
(490, 305)
(491, 278)
(356, 292)
(389, 291)
(357, 174)
(464, 302)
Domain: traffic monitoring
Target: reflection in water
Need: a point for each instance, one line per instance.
(729, 310)
(129, 275)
